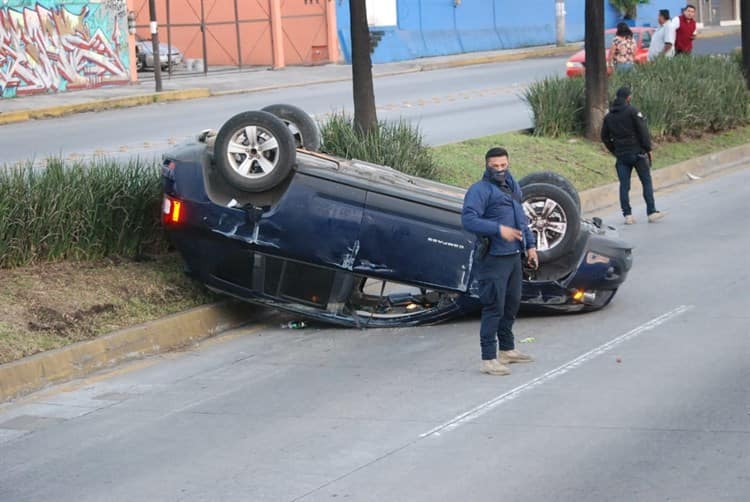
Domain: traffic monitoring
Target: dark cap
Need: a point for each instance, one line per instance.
(496, 152)
(623, 92)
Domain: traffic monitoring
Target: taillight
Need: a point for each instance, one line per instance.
(172, 211)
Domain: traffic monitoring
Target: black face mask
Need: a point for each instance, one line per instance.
(497, 176)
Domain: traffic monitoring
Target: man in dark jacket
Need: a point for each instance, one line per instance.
(493, 212)
(626, 135)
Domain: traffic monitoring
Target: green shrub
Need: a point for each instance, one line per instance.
(688, 95)
(78, 211)
(681, 95)
(395, 144)
(557, 106)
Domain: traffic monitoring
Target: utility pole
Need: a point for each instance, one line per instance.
(560, 17)
(596, 69)
(155, 43)
(745, 20)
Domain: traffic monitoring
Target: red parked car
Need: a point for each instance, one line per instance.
(642, 35)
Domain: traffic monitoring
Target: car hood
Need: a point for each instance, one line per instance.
(580, 56)
(147, 47)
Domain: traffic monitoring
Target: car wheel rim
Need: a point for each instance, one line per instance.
(296, 133)
(253, 152)
(548, 221)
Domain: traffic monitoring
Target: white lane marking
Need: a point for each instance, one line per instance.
(552, 374)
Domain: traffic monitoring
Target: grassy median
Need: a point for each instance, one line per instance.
(585, 163)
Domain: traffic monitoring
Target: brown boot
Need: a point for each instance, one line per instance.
(493, 367)
(513, 356)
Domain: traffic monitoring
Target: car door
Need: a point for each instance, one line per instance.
(413, 242)
(316, 221)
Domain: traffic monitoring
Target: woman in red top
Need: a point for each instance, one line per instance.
(622, 52)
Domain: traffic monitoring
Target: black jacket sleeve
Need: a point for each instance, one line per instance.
(641, 129)
(606, 136)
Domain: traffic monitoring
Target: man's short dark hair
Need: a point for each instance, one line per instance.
(623, 92)
(689, 6)
(496, 152)
(664, 13)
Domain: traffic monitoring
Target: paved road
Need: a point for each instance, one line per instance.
(449, 105)
(403, 414)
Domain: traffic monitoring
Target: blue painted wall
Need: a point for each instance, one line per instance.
(436, 27)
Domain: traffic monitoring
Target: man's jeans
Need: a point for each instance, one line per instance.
(625, 164)
(500, 293)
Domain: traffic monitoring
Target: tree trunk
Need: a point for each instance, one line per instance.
(365, 117)
(745, 20)
(596, 69)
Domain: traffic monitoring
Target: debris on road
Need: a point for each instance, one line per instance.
(294, 325)
(530, 339)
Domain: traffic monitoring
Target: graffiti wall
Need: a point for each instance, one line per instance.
(57, 45)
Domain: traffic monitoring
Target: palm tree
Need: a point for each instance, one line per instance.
(628, 9)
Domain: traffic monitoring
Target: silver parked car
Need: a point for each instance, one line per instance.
(144, 54)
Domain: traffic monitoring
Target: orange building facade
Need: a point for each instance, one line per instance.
(245, 32)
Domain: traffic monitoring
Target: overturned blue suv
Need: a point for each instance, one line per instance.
(258, 214)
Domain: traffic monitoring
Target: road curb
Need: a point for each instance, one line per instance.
(104, 104)
(499, 58)
(12, 117)
(163, 335)
(595, 199)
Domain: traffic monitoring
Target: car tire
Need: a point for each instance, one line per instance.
(304, 129)
(554, 219)
(244, 161)
(552, 178)
(139, 64)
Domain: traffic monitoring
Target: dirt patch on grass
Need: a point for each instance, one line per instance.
(51, 305)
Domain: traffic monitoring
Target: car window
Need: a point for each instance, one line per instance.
(646, 40)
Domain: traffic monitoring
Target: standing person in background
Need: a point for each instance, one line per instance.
(626, 136)
(622, 51)
(685, 30)
(662, 41)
